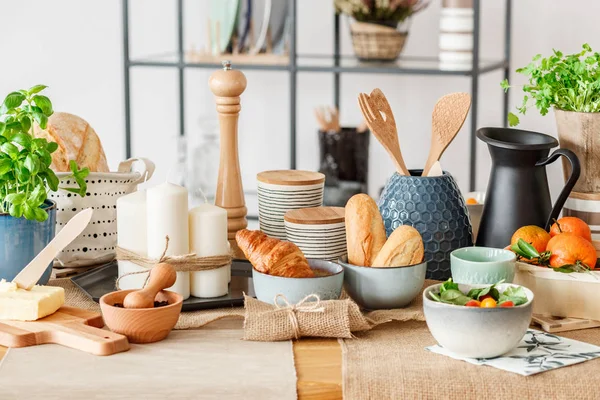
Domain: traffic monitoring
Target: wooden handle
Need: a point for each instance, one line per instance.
(86, 338)
(162, 276)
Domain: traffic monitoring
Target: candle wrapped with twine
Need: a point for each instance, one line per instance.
(310, 317)
(181, 263)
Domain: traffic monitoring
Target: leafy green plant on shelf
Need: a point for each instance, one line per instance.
(25, 174)
(565, 82)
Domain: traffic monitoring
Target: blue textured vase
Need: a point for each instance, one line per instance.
(436, 208)
(22, 240)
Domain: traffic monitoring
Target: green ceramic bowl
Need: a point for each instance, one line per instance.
(482, 265)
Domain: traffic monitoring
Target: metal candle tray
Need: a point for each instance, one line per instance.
(101, 280)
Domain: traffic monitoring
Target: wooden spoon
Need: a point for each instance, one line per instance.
(373, 107)
(448, 117)
(162, 276)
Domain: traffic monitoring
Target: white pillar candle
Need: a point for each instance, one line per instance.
(131, 235)
(208, 237)
(167, 215)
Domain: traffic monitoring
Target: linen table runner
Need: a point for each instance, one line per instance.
(194, 364)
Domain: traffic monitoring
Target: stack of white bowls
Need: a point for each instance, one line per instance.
(456, 35)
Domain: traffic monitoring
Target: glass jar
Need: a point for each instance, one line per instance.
(205, 169)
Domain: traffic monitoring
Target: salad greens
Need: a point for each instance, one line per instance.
(451, 294)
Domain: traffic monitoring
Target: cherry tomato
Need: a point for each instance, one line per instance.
(472, 303)
(507, 303)
(488, 303)
(487, 296)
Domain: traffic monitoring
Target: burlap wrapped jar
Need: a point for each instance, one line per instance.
(96, 244)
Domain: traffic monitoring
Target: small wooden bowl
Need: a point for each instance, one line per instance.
(141, 325)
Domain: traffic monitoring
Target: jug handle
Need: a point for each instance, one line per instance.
(566, 191)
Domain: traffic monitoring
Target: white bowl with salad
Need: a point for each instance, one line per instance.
(477, 321)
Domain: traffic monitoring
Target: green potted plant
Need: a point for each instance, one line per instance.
(569, 84)
(27, 217)
(379, 28)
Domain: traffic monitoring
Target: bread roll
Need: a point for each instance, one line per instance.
(403, 247)
(76, 140)
(365, 233)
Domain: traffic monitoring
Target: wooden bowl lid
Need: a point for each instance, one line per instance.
(315, 215)
(291, 177)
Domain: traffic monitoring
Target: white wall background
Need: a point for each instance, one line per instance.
(75, 47)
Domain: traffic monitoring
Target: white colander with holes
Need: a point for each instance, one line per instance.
(96, 244)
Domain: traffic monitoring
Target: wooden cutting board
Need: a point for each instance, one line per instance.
(70, 327)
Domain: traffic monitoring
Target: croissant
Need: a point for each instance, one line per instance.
(272, 256)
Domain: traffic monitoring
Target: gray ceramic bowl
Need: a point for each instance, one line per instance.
(383, 288)
(476, 332)
(266, 287)
(482, 265)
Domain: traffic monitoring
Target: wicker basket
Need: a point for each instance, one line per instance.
(373, 42)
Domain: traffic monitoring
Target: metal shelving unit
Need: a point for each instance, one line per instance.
(336, 64)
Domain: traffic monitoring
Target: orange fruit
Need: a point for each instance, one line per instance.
(471, 201)
(569, 249)
(573, 225)
(534, 235)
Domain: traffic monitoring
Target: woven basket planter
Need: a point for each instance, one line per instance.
(373, 42)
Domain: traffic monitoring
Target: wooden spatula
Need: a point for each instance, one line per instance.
(372, 107)
(32, 273)
(448, 117)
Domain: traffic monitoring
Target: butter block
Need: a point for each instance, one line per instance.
(29, 305)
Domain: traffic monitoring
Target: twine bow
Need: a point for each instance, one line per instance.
(183, 263)
(304, 305)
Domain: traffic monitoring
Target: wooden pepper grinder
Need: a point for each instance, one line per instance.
(227, 85)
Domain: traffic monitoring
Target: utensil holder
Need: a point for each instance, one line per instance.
(436, 208)
(344, 159)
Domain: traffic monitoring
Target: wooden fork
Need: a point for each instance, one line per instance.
(372, 108)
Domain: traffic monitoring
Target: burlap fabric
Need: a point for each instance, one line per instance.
(390, 362)
(332, 318)
(74, 297)
(263, 323)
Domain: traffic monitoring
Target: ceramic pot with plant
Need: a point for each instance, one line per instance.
(27, 217)
(379, 28)
(570, 84)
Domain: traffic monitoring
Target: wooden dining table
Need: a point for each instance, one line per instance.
(318, 366)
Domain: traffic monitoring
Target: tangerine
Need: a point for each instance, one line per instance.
(573, 225)
(471, 201)
(534, 235)
(570, 249)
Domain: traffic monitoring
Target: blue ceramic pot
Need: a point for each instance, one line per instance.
(23, 240)
(436, 208)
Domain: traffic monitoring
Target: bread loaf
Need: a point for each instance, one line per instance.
(365, 233)
(403, 247)
(76, 140)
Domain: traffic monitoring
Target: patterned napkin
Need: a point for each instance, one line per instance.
(538, 352)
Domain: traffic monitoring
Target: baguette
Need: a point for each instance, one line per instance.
(404, 247)
(365, 233)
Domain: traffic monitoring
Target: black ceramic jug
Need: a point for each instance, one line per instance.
(518, 192)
